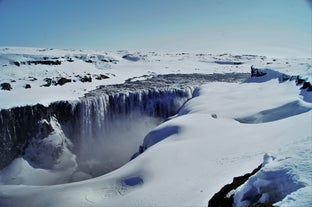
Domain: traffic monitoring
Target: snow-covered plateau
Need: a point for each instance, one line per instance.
(93, 128)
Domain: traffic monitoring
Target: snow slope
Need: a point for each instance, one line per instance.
(192, 155)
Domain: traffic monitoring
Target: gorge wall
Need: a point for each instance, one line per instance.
(112, 112)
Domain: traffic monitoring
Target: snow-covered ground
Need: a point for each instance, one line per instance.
(18, 67)
(225, 131)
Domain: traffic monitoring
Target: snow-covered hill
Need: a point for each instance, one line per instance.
(221, 129)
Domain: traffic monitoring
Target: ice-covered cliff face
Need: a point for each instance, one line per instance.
(106, 127)
(110, 127)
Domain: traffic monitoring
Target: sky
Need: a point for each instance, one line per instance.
(278, 27)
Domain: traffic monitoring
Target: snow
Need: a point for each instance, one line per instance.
(284, 179)
(117, 67)
(192, 155)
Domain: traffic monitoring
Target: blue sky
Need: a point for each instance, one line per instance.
(248, 26)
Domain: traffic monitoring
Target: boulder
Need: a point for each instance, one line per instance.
(48, 82)
(100, 77)
(61, 81)
(86, 79)
(5, 86)
(27, 86)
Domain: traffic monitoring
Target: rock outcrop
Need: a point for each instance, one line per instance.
(221, 198)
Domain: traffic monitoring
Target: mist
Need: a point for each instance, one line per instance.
(114, 144)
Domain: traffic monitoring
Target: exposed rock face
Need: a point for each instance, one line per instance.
(37, 62)
(20, 124)
(270, 74)
(220, 199)
(257, 72)
(17, 125)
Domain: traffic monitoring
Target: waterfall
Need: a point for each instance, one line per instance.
(106, 129)
(112, 126)
(106, 126)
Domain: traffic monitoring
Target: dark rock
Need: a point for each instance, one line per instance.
(97, 77)
(62, 81)
(44, 62)
(48, 82)
(109, 61)
(32, 78)
(17, 63)
(86, 79)
(292, 78)
(285, 77)
(20, 124)
(13, 81)
(100, 77)
(17, 125)
(27, 86)
(306, 85)
(6, 86)
(63, 111)
(221, 200)
(257, 72)
(299, 80)
(104, 76)
(228, 63)
(88, 61)
(70, 60)
(45, 128)
(141, 149)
